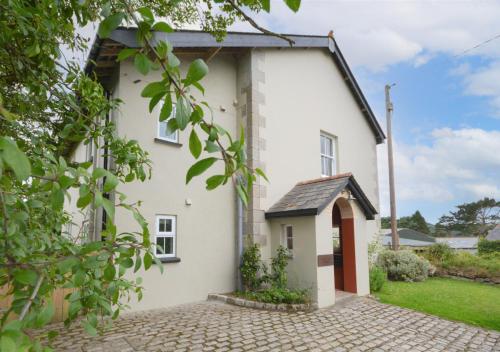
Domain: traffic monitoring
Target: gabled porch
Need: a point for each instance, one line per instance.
(324, 223)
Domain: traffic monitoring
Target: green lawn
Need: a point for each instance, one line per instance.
(470, 302)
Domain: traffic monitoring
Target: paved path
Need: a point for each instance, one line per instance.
(359, 325)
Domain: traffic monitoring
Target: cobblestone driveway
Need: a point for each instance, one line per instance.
(360, 325)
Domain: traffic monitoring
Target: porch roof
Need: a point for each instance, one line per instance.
(311, 197)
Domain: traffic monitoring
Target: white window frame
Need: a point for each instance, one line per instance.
(172, 115)
(332, 139)
(166, 234)
(284, 238)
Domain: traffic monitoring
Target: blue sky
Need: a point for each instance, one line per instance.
(447, 103)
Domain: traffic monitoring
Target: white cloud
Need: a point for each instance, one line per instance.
(483, 82)
(375, 34)
(463, 163)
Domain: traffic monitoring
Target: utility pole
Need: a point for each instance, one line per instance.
(394, 221)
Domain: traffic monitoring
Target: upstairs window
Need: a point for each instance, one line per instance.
(163, 132)
(165, 236)
(327, 155)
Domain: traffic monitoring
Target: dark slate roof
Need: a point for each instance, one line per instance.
(186, 39)
(311, 197)
(414, 235)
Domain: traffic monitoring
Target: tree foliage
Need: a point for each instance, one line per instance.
(470, 219)
(415, 222)
(47, 106)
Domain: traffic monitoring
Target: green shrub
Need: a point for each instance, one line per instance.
(250, 268)
(278, 278)
(378, 277)
(277, 296)
(487, 247)
(473, 266)
(439, 252)
(254, 273)
(404, 265)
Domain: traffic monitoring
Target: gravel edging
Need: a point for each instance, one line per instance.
(237, 301)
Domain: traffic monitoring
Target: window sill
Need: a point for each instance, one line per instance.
(163, 141)
(170, 260)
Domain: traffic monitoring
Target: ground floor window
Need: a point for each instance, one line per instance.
(165, 236)
(287, 237)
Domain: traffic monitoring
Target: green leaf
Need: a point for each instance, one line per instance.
(57, 198)
(66, 181)
(91, 247)
(197, 70)
(266, 5)
(67, 264)
(211, 147)
(261, 174)
(166, 109)
(195, 144)
(162, 27)
(98, 199)
(109, 272)
(294, 5)
(148, 260)
(154, 101)
(196, 115)
(15, 158)
(79, 278)
(99, 172)
(109, 206)
(25, 276)
(109, 24)
(45, 316)
(182, 113)
(110, 183)
(153, 89)
(172, 60)
(199, 87)
(215, 181)
(172, 126)
(199, 167)
(242, 194)
(125, 54)
(127, 262)
(137, 265)
(84, 201)
(142, 63)
(7, 344)
(146, 13)
(89, 328)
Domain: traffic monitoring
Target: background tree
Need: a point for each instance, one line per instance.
(415, 222)
(47, 104)
(470, 219)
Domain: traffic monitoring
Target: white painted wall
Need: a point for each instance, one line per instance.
(301, 268)
(206, 241)
(324, 245)
(305, 95)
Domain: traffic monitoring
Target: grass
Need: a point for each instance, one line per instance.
(469, 302)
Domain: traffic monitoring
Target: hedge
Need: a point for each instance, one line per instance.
(486, 247)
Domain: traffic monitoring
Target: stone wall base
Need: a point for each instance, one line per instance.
(237, 301)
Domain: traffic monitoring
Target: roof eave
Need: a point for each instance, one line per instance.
(291, 213)
(357, 92)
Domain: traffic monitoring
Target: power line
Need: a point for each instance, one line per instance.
(478, 45)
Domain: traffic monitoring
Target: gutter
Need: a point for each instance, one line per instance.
(239, 241)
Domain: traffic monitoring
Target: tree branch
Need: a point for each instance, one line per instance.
(256, 25)
(27, 305)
